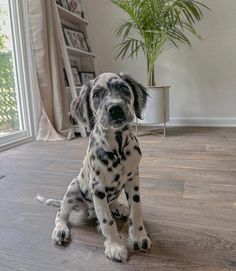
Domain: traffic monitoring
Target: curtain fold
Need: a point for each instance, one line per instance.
(54, 122)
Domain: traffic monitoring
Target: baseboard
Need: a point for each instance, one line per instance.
(202, 122)
(15, 143)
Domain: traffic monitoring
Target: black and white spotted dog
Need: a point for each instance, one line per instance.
(108, 105)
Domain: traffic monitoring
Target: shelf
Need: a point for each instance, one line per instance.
(70, 16)
(79, 52)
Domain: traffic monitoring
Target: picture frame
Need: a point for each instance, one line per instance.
(75, 6)
(75, 39)
(65, 78)
(64, 4)
(86, 76)
(76, 75)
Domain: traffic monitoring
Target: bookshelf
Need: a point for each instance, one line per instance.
(68, 22)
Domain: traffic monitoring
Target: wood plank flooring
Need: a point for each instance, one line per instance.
(188, 187)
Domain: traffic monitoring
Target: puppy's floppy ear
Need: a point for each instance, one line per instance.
(80, 110)
(140, 94)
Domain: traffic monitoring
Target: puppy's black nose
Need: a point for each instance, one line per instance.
(116, 111)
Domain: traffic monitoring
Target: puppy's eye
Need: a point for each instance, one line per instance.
(96, 94)
(125, 90)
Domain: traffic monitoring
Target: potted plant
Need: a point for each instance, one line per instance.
(151, 27)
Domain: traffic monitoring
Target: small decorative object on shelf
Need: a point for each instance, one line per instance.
(76, 7)
(64, 4)
(86, 76)
(66, 78)
(76, 75)
(75, 39)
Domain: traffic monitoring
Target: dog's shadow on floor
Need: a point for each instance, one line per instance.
(87, 231)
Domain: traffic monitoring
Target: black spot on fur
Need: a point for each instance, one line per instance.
(102, 156)
(130, 179)
(144, 244)
(136, 188)
(116, 162)
(110, 189)
(92, 157)
(136, 198)
(123, 156)
(129, 174)
(136, 148)
(136, 246)
(140, 228)
(79, 199)
(70, 201)
(97, 172)
(109, 169)
(128, 153)
(119, 141)
(85, 195)
(110, 155)
(99, 194)
(111, 222)
(127, 195)
(104, 221)
(117, 177)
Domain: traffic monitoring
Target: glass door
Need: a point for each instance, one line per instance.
(10, 119)
(15, 78)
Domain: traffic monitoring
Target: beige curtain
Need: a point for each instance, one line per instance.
(54, 122)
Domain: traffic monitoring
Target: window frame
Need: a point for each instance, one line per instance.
(28, 107)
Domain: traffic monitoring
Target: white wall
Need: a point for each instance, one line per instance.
(203, 78)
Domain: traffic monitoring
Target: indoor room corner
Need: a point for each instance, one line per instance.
(117, 135)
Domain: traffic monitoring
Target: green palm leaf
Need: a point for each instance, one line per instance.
(154, 26)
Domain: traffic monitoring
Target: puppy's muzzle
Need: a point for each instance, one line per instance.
(116, 112)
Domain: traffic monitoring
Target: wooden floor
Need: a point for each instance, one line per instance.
(188, 182)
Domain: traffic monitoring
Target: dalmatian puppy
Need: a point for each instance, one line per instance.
(107, 105)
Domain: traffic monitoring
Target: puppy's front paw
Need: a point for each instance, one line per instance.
(116, 252)
(140, 242)
(61, 235)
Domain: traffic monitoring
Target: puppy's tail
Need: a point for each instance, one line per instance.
(49, 202)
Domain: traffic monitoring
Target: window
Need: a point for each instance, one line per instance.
(17, 116)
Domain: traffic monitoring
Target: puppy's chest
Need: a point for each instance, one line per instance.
(121, 164)
(124, 160)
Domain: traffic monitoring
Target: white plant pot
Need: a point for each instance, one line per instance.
(157, 109)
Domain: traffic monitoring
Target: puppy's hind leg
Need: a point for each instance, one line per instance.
(72, 199)
(119, 210)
